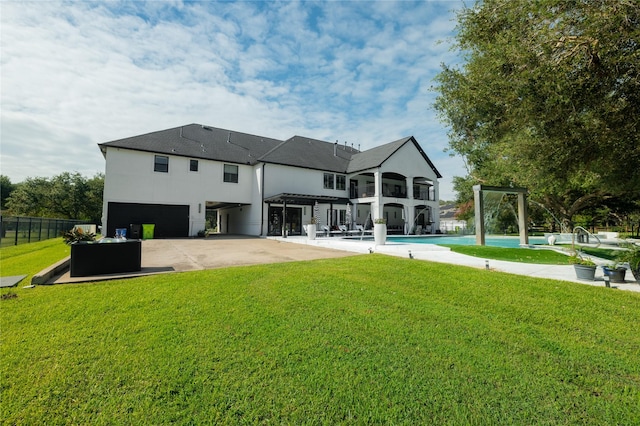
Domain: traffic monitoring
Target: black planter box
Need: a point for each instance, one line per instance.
(108, 257)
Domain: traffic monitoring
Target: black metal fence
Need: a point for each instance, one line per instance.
(16, 230)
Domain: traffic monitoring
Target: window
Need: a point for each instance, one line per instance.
(328, 181)
(341, 182)
(230, 173)
(343, 216)
(161, 164)
(193, 165)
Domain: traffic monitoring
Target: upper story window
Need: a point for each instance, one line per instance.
(193, 165)
(230, 173)
(161, 164)
(341, 182)
(328, 180)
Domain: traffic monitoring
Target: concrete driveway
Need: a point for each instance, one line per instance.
(192, 254)
(224, 251)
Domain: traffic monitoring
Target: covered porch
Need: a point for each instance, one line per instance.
(287, 213)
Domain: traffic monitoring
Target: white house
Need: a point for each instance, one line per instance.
(263, 186)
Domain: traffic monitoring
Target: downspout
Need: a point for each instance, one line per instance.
(264, 165)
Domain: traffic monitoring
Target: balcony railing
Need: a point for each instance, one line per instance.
(424, 193)
(419, 192)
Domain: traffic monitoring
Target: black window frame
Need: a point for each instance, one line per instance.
(341, 182)
(229, 177)
(193, 163)
(160, 166)
(328, 181)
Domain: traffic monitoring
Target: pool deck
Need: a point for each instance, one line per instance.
(440, 254)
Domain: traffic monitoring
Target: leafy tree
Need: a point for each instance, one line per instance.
(548, 98)
(93, 198)
(6, 188)
(68, 195)
(31, 198)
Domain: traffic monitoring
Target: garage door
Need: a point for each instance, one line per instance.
(171, 221)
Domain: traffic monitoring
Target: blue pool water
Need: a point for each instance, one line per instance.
(467, 240)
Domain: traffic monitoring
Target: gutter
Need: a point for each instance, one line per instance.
(264, 166)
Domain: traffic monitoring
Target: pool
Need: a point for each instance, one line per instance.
(466, 240)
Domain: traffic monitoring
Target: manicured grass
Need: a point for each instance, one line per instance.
(357, 340)
(31, 258)
(522, 255)
(602, 253)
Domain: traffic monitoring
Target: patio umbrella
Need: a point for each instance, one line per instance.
(348, 216)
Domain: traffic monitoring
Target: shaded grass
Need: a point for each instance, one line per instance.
(522, 255)
(363, 339)
(602, 253)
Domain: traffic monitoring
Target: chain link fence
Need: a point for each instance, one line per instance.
(16, 230)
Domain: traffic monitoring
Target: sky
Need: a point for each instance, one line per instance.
(76, 74)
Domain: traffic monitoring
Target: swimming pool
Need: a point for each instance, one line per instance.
(466, 240)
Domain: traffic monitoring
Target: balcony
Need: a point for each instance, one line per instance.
(424, 192)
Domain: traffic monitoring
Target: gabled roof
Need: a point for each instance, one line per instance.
(199, 141)
(311, 153)
(375, 157)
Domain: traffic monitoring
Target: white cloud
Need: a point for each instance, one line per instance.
(86, 73)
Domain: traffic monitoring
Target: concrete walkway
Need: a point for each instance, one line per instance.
(436, 253)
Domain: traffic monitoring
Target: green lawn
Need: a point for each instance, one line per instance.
(522, 255)
(356, 340)
(31, 258)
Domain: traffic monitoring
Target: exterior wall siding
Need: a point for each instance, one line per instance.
(129, 177)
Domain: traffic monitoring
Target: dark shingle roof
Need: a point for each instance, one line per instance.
(311, 153)
(374, 157)
(198, 141)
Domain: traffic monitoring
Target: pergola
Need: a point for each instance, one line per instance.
(303, 200)
(478, 191)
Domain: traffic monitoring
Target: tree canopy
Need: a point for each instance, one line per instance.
(67, 196)
(548, 98)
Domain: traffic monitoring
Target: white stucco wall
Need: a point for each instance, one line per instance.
(294, 180)
(129, 177)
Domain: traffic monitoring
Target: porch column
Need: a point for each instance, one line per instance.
(330, 215)
(354, 215)
(479, 214)
(522, 218)
(284, 218)
(377, 206)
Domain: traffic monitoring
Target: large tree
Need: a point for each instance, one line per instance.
(67, 195)
(6, 188)
(548, 97)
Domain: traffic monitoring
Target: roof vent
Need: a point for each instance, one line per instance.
(335, 149)
(207, 128)
(229, 138)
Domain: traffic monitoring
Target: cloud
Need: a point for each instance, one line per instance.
(86, 73)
